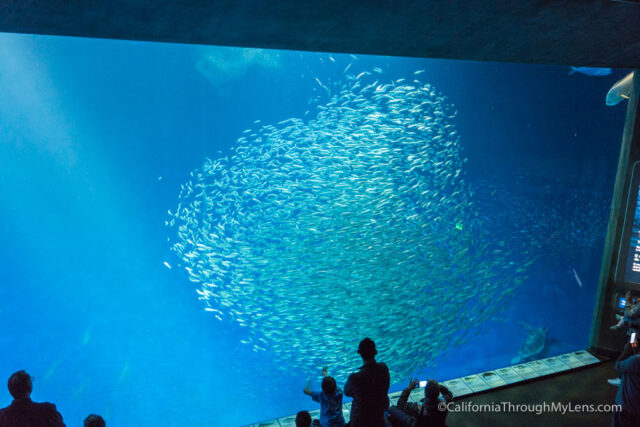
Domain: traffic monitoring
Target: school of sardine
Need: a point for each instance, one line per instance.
(353, 222)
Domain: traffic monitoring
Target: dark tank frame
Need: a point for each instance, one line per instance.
(596, 33)
(613, 283)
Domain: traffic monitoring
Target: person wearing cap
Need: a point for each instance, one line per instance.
(628, 397)
(369, 388)
(23, 412)
(432, 412)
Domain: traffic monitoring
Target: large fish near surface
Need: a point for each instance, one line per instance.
(591, 71)
(620, 91)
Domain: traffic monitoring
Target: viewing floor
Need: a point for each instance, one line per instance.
(477, 383)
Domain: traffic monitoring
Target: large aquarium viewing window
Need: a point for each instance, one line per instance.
(190, 233)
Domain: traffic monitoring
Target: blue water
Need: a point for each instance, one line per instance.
(96, 138)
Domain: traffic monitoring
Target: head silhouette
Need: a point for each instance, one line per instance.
(367, 349)
(94, 421)
(303, 419)
(432, 390)
(329, 385)
(20, 385)
(628, 297)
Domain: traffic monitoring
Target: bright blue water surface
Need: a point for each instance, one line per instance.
(96, 139)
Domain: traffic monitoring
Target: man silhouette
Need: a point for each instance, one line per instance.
(23, 412)
(368, 387)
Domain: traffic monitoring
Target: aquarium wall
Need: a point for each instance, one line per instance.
(190, 233)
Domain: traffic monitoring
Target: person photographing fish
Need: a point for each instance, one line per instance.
(630, 317)
(432, 411)
(628, 397)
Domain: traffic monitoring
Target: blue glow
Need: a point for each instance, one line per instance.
(97, 137)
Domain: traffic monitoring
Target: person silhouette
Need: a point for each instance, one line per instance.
(23, 412)
(330, 399)
(628, 397)
(368, 387)
(303, 419)
(432, 412)
(94, 420)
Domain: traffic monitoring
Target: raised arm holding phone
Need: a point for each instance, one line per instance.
(330, 399)
(430, 413)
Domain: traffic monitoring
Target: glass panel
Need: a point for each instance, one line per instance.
(192, 232)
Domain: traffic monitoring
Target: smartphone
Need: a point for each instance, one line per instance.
(633, 338)
(423, 383)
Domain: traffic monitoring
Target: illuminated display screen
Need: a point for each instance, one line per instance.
(631, 240)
